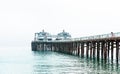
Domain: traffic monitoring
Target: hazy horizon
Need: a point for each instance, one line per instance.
(19, 20)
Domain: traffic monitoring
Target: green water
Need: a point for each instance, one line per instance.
(24, 61)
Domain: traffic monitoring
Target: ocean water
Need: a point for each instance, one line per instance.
(21, 60)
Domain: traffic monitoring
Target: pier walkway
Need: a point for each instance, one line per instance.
(106, 46)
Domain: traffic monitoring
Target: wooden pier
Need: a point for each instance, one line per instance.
(104, 47)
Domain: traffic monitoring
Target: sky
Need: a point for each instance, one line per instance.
(20, 19)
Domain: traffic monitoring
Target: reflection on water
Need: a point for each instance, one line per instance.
(52, 63)
(25, 61)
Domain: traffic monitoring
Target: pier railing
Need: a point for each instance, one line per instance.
(103, 36)
(109, 35)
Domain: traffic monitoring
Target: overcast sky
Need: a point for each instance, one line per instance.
(20, 19)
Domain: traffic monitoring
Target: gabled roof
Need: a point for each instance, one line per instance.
(43, 34)
(64, 34)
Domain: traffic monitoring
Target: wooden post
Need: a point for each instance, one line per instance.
(108, 47)
(34, 46)
(43, 47)
(117, 50)
(78, 49)
(91, 50)
(112, 50)
(72, 48)
(76, 45)
(87, 49)
(98, 49)
(69, 49)
(102, 46)
(56, 48)
(82, 49)
(51, 47)
(94, 46)
(105, 50)
(66, 47)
